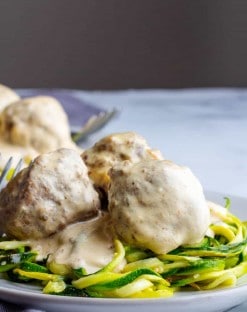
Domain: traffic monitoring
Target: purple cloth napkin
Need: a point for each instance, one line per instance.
(78, 110)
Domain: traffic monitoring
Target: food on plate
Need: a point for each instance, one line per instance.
(7, 96)
(152, 203)
(154, 232)
(31, 126)
(113, 149)
(39, 122)
(88, 245)
(17, 152)
(52, 192)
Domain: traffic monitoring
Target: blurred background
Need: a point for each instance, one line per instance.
(113, 44)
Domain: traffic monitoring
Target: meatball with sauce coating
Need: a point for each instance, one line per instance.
(52, 192)
(113, 149)
(157, 205)
(38, 122)
(7, 96)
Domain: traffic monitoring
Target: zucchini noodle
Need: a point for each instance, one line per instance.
(216, 262)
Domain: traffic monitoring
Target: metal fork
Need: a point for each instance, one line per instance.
(94, 124)
(4, 178)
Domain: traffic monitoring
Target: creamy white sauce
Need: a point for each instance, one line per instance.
(17, 152)
(84, 244)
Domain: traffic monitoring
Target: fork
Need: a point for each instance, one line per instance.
(4, 177)
(94, 124)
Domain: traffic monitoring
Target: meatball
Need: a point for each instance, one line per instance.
(38, 122)
(157, 205)
(52, 192)
(113, 149)
(7, 96)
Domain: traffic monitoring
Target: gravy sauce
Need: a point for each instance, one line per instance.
(84, 244)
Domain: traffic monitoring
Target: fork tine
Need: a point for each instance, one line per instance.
(5, 171)
(99, 122)
(17, 168)
(94, 124)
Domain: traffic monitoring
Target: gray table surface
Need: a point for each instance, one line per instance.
(204, 129)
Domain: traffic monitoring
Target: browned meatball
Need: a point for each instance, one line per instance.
(114, 149)
(52, 192)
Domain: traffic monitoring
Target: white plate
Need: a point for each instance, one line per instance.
(193, 301)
